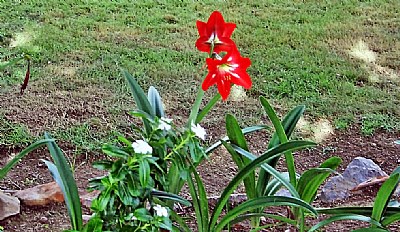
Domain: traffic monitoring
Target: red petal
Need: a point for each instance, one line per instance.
(244, 79)
(202, 28)
(224, 88)
(229, 28)
(202, 45)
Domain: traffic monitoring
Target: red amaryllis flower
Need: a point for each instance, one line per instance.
(215, 32)
(231, 69)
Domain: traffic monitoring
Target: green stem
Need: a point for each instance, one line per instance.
(196, 107)
(200, 94)
(208, 107)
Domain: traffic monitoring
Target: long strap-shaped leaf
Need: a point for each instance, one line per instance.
(280, 177)
(311, 179)
(237, 138)
(67, 184)
(383, 196)
(140, 98)
(155, 101)
(245, 131)
(289, 123)
(343, 217)
(22, 154)
(280, 132)
(200, 202)
(360, 210)
(292, 145)
(262, 202)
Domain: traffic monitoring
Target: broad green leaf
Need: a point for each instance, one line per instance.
(266, 215)
(390, 219)
(282, 178)
(103, 164)
(114, 151)
(196, 204)
(140, 98)
(289, 123)
(280, 132)
(245, 131)
(178, 219)
(341, 217)
(365, 210)
(237, 138)
(383, 196)
(170, 196)
(274, 185)
(67, 183)
(207, 108)
(144, 172)
(22, 154)
(203, 201)
(311, 179)
(370, 230)
(289, 146)
(262, 202)
(155, 101)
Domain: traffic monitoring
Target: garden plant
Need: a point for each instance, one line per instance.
(146, 172)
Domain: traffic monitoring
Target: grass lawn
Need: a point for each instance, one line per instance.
(339, 58)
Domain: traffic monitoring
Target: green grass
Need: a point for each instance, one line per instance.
(299, 52)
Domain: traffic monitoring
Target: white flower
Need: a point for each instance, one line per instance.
(142, 147)
(165, 124)
(161, 211)
(199, 131)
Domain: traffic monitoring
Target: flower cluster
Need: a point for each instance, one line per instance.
(229, 69)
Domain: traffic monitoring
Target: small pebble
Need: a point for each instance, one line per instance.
(44, 220)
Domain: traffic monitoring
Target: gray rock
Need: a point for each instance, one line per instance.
(283, 193)
(9, 206)
(359, 170)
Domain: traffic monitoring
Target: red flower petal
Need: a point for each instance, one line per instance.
(215, 32)
(231, 69)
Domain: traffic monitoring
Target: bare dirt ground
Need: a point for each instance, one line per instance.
(216, 173)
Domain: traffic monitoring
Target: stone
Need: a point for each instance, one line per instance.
(87, 197)
(9, 206)
(358, 171)
(43, 194)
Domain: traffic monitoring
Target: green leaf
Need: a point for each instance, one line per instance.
(237, 138)
(22, 154)
(370, 230)
(266, 215)
(65, 179)
(170, 196)
(203, 201)
(245, 131)
(282, 178)
(280, 132)
(178, 219)
(142, 214)
(114, 151)
(196, 205)
(365, 210)
(289, 146)
(289, 123)
(262, 202)
(383, 196)
(207, 108)
(155, 101)
(103, 164)
(390, 219)
(311, 179)
(140, 98)
(341, 217)
(144, 172)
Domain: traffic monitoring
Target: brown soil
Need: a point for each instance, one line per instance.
(216, 173)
